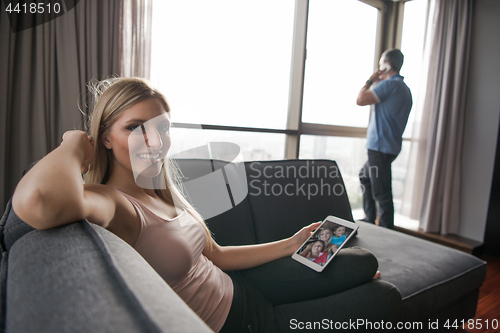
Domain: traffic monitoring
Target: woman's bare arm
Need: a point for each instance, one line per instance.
(52, 192)
(247, 256)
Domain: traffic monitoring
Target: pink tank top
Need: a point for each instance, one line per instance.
(174, 249)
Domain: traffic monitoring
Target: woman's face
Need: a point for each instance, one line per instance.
(339, 231)
(325, 235)
(317, 248)
(140, 139)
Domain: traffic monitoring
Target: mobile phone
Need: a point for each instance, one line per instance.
(386, 68)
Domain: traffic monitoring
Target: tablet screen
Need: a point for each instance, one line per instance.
(319, 249)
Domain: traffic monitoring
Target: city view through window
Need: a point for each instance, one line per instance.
(228, 64)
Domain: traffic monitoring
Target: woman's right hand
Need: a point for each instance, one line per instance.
(83, 145)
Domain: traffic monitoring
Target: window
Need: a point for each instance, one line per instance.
(341, 46)
(412, 47)
(412, 44)
(224, 62)
(269, 74)
(341, 41)
(350, 155)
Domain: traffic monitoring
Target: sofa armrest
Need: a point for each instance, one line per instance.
(76, 279)
(161, 303)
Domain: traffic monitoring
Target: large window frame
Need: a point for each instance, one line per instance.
(389, 34)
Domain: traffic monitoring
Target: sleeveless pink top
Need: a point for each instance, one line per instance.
(174, 249)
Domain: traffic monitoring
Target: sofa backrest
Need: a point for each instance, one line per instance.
(283, 196)
(287, 195)
(233, 226)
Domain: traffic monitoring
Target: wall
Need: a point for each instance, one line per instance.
(492, 232)
(481, 119)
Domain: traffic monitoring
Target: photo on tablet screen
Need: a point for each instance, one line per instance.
(325, 242)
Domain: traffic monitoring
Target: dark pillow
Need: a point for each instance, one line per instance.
(287, 281)
(286, 195)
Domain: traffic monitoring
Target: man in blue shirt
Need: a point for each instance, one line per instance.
(393, 101)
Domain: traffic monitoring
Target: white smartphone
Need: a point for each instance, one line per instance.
(386, 68)
(324, 244)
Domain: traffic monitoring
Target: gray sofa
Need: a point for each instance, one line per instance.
(82, 278)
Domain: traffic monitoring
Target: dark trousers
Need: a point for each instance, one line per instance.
(286, 282)
(376, 182)
(250, 311)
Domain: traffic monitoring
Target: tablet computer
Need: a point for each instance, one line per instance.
(324, 244)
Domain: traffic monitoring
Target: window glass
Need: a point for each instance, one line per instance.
(340, 58)
(412, 47)
(224, 62)
(253, 146)
(349, 153)
(399, 173)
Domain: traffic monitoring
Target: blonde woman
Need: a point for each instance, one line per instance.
(325, 234)
(130, 189)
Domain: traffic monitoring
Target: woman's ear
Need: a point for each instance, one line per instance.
(106, 142)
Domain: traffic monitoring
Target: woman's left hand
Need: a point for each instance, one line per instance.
(302, 235)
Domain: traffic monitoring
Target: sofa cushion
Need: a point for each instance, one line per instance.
(286, 195)
(288, 281)
(429, 276)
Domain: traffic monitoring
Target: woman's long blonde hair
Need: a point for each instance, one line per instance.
(328, 245)
(110, 97)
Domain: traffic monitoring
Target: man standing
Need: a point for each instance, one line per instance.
(393, 102)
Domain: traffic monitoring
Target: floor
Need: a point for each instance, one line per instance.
(488, 309)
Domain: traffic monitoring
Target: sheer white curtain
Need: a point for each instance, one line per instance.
(135, 43)
(433, 188)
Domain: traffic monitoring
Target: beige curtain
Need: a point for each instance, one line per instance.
(433, 188)
(135, 44)
(44, 70)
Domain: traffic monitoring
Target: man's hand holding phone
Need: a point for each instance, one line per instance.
(380, 74)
